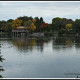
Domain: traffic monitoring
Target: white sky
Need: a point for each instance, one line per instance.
(45, 9)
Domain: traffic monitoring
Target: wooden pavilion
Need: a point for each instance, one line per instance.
(20, 31)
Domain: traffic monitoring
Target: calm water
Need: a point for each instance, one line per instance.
(48, 57)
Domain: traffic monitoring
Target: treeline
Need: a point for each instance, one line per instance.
(58, 25)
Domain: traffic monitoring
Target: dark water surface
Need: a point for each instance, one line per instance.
(48, 57)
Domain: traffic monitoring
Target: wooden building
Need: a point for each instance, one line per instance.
(20, 31)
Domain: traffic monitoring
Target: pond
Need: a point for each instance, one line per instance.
(48, 57)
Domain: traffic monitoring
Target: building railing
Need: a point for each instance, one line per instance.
(20, 30)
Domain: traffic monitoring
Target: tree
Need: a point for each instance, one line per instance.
(76, 26)
(56, 23)
(3, 25)
(65, 22)
(38, 23)
(34, 20)
(27, 23)
(68, 26)
(25, 18)
(60, 23)
(30, 18)
(41, 20)
(9, 27)
(45, 27)
(10, 20)
(16, 23)
(32, 27)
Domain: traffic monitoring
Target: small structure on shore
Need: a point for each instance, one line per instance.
(20, 31)
(38, 34)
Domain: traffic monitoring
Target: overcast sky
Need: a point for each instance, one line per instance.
(45, 9)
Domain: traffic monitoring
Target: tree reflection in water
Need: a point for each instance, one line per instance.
(77, 41)
(29, 44)
(63, 42)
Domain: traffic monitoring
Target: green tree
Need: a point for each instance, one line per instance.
(60, 23)
(76, 26)
(27, 23)
(10, 20)
(3, 25)
(41, 20)
(25, 18)
(56, 23)
(9, 27)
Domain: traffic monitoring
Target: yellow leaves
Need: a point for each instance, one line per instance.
(34, 20)
(32, 42)
(30, 24)
(16, 23)
(68, 26)
(69, 42)
(32, 27)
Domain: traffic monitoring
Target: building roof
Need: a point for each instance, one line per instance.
(21, 27)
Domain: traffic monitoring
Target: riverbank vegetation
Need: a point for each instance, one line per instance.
(57, 26)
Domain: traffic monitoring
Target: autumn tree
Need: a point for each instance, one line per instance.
(38, 23)
(45, 27)
(32, 27)
(16, 23)
(28, 23)
(68, 26)
(34, 20)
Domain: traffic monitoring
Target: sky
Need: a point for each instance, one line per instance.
(46, 9)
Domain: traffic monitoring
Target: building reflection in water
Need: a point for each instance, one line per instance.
(58, 42)
(29, 44)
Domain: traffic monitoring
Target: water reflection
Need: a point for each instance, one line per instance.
(66, 42)
(63, 42)
(30, 44)
(48, 65)
(58, 42)
(77, 41)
